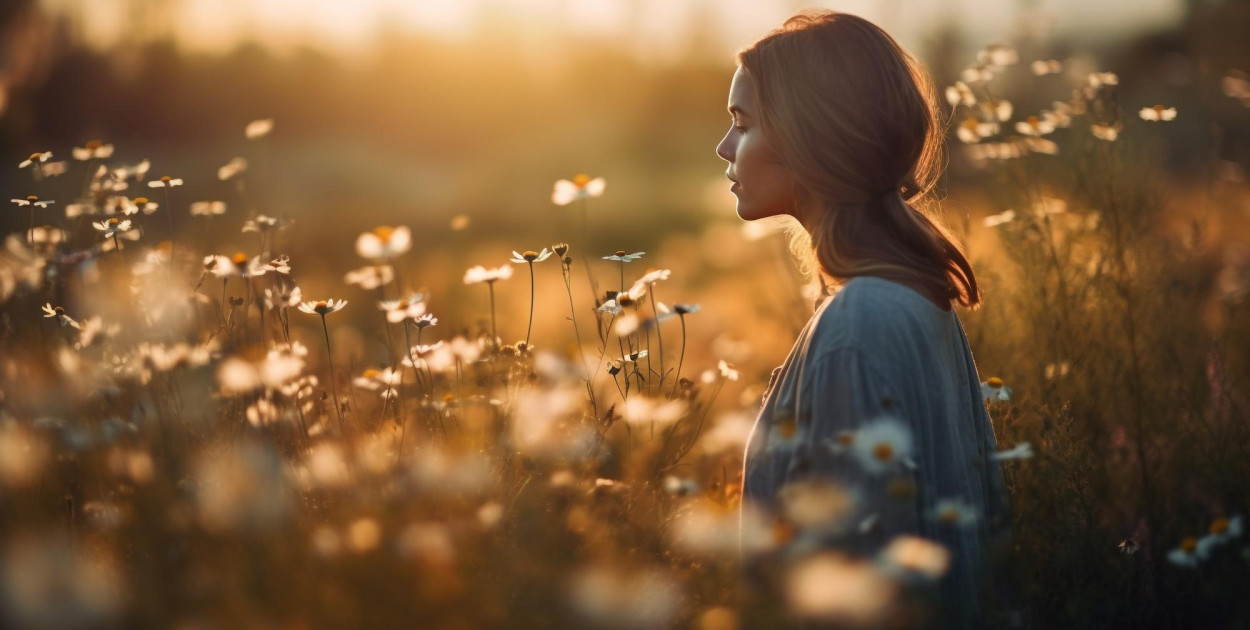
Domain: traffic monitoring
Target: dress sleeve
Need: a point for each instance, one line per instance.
(842, 395)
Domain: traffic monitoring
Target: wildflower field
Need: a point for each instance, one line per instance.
(221, 409)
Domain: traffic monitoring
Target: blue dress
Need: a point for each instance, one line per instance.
(880, 349)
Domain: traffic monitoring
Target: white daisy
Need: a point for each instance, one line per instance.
(384, 242)
(208, 208)
(994, 389)
(322, 307)
(165, 182)
(882, 445)
(479, 273)
(581, 187)
(1157, 113)
(112, 227)
(530, 256)
(621, 256)
(1023, 450)
(94, 149)
(953, 511)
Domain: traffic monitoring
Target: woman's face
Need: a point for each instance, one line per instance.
(762, 184)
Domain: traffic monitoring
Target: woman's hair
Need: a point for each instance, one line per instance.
(855, 118)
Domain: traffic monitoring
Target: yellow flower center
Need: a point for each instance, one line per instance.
(624, 299)
(239, 258)
(1189, 544)
(141, 201)
(32, 198)
(994, 382)
(1158, 109)
(970, 123)
(580, 180)
(384, 232)
(372, 373)
(1033, 121)
(94, 144)
(35, 156)
(1219, 526)
(321, 305)
(114, 221)
(883, 452)
(845, 438)
(447, 398)
(166, 179)
(530, 255)
(948, 515)
(620, 252)
(59, 311)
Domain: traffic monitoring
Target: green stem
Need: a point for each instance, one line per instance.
(338, 409)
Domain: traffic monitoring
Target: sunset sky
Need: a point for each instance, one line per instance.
(654, 28)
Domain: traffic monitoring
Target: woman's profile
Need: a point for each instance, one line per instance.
(838, 126)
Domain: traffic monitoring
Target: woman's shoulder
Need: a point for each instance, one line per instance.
(873, 314)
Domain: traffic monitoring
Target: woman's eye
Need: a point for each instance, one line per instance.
(740, 128)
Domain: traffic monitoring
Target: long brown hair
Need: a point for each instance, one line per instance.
(855, 118)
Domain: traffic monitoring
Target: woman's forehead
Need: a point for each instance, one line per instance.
(741, 93)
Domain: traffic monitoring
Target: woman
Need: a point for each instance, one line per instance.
(836, 125)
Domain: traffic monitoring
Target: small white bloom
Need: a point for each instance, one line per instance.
(621, 256)
(954, 511)
(165, 182)
(581, 187)
(208, 208)
(530, 256)
(479, 273)
(882, 444)
(1157, 113)
(994, 389)
(322, 307)
(258, 128)
(112, 226)
(995, 220)
(384, 242)
(1023, 450)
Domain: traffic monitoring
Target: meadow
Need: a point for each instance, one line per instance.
(216, 415)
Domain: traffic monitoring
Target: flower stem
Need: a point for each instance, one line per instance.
(169, 216)
(655, 309)
(531, 324)
(334, 389)
(494, 336)
(568, 287)
(682, 357)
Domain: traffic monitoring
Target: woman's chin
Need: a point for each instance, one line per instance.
(746, 212)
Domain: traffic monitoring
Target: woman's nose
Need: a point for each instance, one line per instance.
(725, 149)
